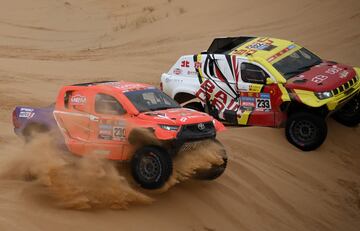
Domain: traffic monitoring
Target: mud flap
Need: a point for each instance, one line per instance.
(230, 117)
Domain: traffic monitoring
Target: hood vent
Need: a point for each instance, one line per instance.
(299, 80)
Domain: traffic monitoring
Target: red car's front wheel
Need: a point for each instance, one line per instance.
(151, 167)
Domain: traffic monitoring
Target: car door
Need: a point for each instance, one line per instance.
(108, 127)
(257, 98)
(217, 91)
(73, 120)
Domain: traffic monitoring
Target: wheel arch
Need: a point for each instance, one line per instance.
(295, 106)
(34, 126)
(183, 96)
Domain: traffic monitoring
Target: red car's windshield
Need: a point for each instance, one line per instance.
(151, 100)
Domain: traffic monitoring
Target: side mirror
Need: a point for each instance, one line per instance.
(269, 81)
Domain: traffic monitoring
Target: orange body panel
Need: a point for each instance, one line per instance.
(87, 131)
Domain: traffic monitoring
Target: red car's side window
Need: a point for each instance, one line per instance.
(108, 105)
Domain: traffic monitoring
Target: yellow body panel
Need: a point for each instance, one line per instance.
(255, 87)
(310, 99)
(270, 49)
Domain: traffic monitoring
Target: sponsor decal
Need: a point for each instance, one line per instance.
(197, 65)
(261, 46)
(185, 113)
(27, 113)
(244, 52)
(344, 74)
(192, 73)
(105, 131)
(280, 53)
(168, 80)
(185, 63)
(255, 87)
(265, 95)
(78, 100)
(158, 115)
(177, 71)
(126, 87)
(247, 103)
(101, 152)
(319, 79)
(243, 87)
(333, 70)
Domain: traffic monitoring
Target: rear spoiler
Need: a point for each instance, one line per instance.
(224, 45)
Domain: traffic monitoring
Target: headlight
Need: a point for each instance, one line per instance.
(324, 95)
(169, 127)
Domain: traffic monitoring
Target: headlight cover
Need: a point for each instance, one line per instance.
(324, 95)
(169, 127)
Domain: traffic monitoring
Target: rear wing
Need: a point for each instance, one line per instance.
(224, 45)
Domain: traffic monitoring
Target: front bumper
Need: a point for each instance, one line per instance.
(190, 134)
(342, 98)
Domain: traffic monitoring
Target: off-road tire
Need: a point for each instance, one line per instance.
(151, 167)
(349, 114)
(306, 131)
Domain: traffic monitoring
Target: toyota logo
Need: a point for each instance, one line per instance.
(201, 126)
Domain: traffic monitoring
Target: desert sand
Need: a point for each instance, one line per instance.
(269, 184)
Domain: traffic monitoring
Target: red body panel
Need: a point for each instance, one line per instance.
(268, 117)
(323, 77)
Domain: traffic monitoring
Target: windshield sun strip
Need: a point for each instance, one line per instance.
(283, 55)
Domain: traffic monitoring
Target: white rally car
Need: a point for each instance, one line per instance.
(267, 82)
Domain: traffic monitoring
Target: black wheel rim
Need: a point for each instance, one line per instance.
(150, 168)
(352, 108)
(305, 131)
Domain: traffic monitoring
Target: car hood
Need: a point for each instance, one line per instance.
(323, 77)
(176, 116)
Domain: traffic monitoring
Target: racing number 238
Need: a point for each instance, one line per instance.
(263, 103)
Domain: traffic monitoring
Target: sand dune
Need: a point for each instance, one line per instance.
(269, 184)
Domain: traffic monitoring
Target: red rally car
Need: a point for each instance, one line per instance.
(104, 118)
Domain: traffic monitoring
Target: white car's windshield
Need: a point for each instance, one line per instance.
(296, 63)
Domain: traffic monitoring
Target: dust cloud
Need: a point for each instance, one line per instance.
(74, 183)
(91, 182)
